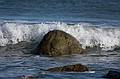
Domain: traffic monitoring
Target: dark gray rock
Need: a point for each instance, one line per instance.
(113, 74)
(57, 43)
(69, 68)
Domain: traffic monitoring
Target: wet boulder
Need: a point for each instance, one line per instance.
(113, 74)
(57, 43)
(69, 68)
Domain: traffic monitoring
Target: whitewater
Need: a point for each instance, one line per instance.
(89, 35)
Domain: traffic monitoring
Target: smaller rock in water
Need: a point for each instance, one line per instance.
(28, 77)
(113, 74)
(70, 68)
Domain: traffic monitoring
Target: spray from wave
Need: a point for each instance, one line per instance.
(87, 34)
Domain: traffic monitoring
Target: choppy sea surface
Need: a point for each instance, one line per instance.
(15, 65)
(23, 23)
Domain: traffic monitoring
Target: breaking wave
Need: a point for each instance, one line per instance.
(87, 34)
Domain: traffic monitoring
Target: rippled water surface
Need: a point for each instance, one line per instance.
(20, 66)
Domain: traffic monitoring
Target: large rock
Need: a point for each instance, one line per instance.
(69, 68)
(56, 43)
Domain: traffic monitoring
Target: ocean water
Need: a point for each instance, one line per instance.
(23, 23)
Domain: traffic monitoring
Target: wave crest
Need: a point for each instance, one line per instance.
(87, 34)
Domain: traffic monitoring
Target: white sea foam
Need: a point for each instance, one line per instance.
(87, 34)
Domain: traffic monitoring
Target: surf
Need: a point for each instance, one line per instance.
(89, 35)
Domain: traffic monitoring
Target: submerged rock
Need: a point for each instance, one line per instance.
(28, 77)
(69, 68)
(56, 43)
(113, 74)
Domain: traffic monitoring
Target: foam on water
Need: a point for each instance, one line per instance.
(87, 34)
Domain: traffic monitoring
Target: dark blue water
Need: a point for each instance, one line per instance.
(14, 64)
(60, 10)
(18, 67)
